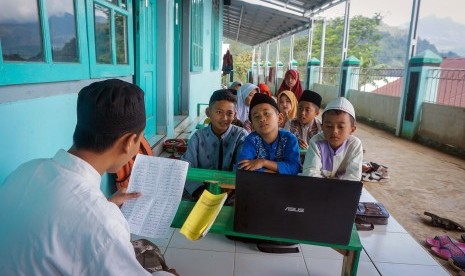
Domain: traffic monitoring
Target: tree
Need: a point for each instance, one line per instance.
(363, 41)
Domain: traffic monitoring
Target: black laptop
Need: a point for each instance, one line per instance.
(296, 207)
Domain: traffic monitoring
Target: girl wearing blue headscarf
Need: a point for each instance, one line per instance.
(244, 97)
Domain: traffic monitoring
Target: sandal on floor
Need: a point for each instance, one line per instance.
(448, 251)
(440, 241)
(444, 222)
(457, 262)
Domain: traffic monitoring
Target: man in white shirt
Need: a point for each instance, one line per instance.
(55, 219)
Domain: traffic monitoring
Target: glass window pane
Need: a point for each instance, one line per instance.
(20, 31)
(121, 39)
(102, 34)
(62, 24)
(123, 4)
(115, 2)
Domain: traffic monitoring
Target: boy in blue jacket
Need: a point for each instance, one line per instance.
(268, 149)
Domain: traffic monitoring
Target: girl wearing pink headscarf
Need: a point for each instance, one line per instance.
(292, 82)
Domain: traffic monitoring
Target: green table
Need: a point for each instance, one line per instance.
(225, 179)
(224, 224)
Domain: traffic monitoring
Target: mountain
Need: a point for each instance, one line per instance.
(446, 34)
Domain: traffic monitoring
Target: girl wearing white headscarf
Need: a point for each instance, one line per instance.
(244, 96)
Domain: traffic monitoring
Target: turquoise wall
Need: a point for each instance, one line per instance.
(35, 128)
(38, 128)
(203, 84)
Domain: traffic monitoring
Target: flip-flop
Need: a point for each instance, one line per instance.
(440, 241)
(457, 262)
(448, 251)
(444, 222)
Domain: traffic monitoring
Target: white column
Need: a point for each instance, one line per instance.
(345, 40)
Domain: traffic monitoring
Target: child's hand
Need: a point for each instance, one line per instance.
(251, 165)
(303, 144)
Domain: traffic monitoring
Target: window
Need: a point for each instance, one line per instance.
(59, 40)
(111, 53)
(42, 44)
(196, 35)
(215, 36)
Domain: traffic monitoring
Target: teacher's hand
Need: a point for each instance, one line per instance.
(121, 196)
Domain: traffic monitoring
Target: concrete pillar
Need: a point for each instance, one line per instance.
(313, 72)
(165, 60)
(346, 79)
(267, 71)
(415, 91)
(293, 64)
(279, 69)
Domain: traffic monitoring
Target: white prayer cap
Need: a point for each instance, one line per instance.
(342, 104)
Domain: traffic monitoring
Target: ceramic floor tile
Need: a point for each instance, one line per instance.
(212, 242)
(364, 257)
(251, 248)
(366, 196)
(389, 269)
(394, 248)
(163, 242)
(200, 263)
(393, 227)
(269, 265)
(367, 269)
(313, 251)
(323, 267)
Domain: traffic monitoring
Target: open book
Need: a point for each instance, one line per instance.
(203, 215)
(161, 182)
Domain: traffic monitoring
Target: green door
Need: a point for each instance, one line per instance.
(177, 56)
(145, 30)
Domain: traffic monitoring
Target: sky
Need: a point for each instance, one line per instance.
(398, 12)
(20, 11)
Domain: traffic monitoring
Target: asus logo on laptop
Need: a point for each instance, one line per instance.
(293, 209)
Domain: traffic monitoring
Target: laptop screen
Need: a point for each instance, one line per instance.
(296, 207)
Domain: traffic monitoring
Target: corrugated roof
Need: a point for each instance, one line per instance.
(253, 22)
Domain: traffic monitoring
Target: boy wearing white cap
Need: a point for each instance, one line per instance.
(335, 153)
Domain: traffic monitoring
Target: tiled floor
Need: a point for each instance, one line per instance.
(388, 250)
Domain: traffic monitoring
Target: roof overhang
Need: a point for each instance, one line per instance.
(254, 22)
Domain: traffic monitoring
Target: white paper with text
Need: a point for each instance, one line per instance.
(161, 182)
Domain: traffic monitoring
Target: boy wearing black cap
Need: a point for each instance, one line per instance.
(58, 220)
(335, 153)
(306, 125)
(268, 149)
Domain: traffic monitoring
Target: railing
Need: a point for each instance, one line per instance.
(446, 87)
(378, 81)
(329, 76)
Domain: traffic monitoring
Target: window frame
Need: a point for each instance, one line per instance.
(13, 72)
(215, 36)
(48, 71)
(196, 37)
(98, 70)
